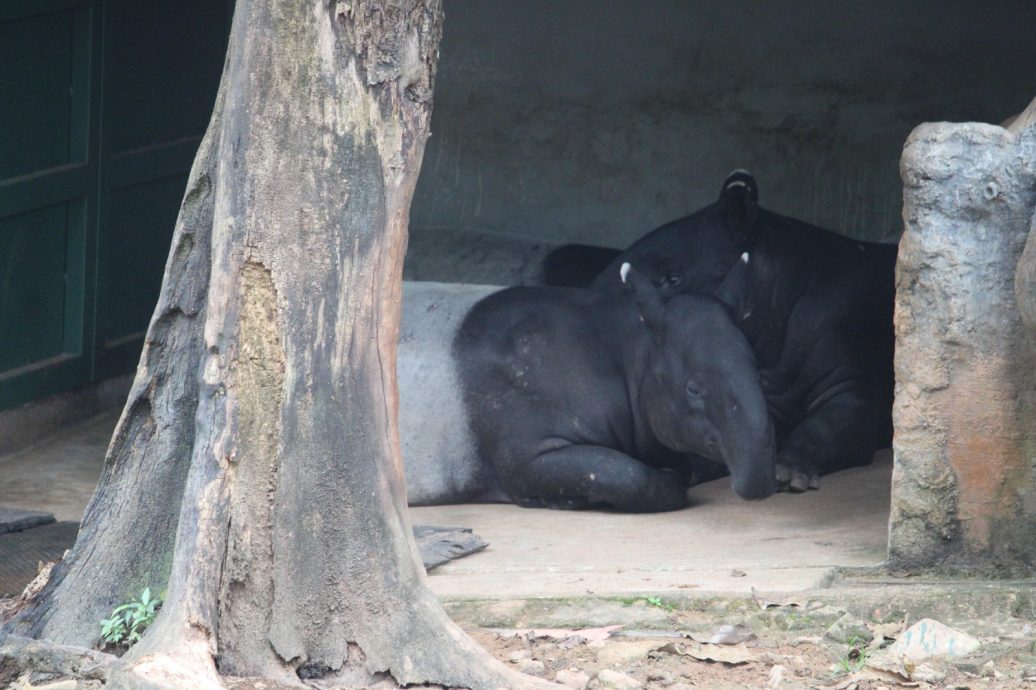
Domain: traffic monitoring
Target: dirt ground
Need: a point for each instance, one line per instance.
(791, 647)
(649, 643)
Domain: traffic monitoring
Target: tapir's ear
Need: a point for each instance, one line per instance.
(649, 301)
(736, 289)
(739, 204)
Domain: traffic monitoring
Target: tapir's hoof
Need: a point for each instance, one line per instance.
(796, 481)
(552, 503)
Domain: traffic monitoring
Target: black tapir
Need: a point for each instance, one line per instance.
(818, 314)
(574, 398)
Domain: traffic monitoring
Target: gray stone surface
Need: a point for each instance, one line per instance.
(17, 519)
(577, 680)
(964, 486)
(617, 680)
(929, 638)
(849, 630)
(1025, 273)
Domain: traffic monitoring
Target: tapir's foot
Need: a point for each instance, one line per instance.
(584, 476)
(554, 503)
(796, 479)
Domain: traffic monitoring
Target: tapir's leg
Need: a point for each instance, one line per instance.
(578, 476)
(838, 433)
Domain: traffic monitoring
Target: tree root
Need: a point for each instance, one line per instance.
(24, 653)
(170, 672)
(9, 608)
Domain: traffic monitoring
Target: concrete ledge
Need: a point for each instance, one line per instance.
(34, 422)
(878, 599)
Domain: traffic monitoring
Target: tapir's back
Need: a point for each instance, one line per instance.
(440, 460)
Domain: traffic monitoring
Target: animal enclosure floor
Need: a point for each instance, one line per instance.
(719, 544)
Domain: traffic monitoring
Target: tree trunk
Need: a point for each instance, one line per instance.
(255, 473)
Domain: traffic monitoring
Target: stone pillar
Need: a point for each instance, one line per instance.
(964, 484)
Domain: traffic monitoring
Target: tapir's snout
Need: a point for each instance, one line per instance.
(755, 486)
(750, 449)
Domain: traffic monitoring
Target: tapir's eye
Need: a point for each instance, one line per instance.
(673, 278)
(692, 390)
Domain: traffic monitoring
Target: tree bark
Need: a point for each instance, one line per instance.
(255, 473)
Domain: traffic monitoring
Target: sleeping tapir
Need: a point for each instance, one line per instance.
(818, 314)
(573, 398)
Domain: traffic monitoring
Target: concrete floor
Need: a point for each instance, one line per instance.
(720, 544)
(58, 475)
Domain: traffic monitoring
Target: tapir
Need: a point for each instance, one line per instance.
(572, 398)
(817, 312)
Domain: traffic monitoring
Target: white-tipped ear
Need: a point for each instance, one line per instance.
(624, 271)
(744, 258)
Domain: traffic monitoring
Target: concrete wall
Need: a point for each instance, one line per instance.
(596, 120)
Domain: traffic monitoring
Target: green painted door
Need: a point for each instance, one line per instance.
(102, 106)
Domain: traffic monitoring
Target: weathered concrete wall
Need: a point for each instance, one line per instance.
(35, 421)
(597, 120)
(964, 485)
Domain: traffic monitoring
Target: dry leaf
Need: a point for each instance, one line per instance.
(885, 631)
(566, 637)
(776, 677)
(871, 674)
(733, 656)
(725, 634)
(794, 602)
(888, 662)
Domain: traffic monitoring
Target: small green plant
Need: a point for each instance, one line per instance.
(129, 621)
(659, 603)
(855, 659)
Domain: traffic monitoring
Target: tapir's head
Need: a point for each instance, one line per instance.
(701, 391)
(694, 254)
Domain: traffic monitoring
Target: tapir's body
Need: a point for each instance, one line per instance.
(440, 458)
(818, 313)
(573, 398)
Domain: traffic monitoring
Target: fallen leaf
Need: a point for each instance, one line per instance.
(725, 634)
(870, 674)
(885, 631)
(566, 637)
(733, 656)
(793, 602)
(23, 684)
(887, 662)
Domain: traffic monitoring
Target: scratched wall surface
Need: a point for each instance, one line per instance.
(596, 120)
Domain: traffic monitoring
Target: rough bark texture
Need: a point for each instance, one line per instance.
(255, 473)
(964, 485)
